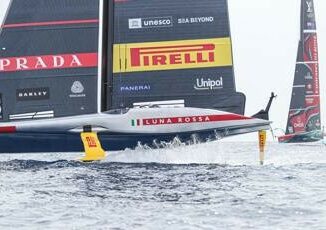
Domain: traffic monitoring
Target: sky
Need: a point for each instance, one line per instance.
(265, 35)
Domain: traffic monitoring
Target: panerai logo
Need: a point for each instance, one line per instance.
(77, 89)
(135, 88)
(208, 84)
(31, 94)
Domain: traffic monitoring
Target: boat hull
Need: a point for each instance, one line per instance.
(301, 138)
(71, 142)
(125, 129)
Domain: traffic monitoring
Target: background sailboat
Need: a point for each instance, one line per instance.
(304, 120)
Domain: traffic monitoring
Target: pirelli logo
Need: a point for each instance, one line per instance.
(186, 54)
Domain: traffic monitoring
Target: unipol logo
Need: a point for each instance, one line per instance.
(173, 55)
(48, 62)
(309, 7)
(208, 84)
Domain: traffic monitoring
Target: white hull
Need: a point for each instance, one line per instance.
(140, 120)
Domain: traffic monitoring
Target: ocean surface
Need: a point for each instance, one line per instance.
(218, 185)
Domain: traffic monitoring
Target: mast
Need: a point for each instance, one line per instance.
(106, 54)
(302, 20)
(104, 57)
(110, 24)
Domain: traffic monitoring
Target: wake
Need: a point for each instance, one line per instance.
(216, 152)
(223, 152)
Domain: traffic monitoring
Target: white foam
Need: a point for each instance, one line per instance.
(217, 152)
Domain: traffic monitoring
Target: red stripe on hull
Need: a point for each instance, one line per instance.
(8, 129)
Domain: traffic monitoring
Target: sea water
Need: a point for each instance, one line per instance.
(217, 185)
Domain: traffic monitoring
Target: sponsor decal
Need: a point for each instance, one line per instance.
(1, 113)
(33, 94)
(311, 48)
(32, 115)
(143, 23)
(135, 88)
(60, 61)
(91, 142)
(308, 76)
(187, 120)
(298, 125)
(135, 122)
(195, 20)
(208, 84)
(309, 89)
(77, 90)
(309, 7)
(135, 23)
(311, 25)
(170, 55)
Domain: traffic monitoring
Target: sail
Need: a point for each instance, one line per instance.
(49, 59)
(172, 51)
(304, 113)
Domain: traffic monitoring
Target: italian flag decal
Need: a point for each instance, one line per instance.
(135, 122)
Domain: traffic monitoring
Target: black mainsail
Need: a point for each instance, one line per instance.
(133, 71)
(170, 50)
(48, 59)
(304, 124)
